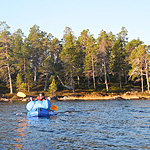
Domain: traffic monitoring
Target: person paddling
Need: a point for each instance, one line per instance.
(43, 103)
(41, 97)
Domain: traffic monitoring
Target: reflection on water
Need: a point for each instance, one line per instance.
(22, 133)
(78, 125)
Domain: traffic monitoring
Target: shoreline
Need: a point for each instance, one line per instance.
(125, 96)
(118, 97)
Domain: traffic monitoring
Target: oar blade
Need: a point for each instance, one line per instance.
(53, 107)
(21, 94)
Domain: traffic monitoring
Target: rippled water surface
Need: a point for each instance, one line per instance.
(78, 125)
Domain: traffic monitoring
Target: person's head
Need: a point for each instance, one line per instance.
(42, 96)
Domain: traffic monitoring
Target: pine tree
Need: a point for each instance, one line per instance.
(79, 61)
(81, 46)
(87, 68)
(90, 58)
(103, 55)
(129, 47)
(139, 64)
(34, 42)
(46, 58)
(16, 45)
(6, 54)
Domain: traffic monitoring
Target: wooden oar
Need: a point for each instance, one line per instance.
(21, 94)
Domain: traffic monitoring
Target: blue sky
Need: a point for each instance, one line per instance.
(53, 16)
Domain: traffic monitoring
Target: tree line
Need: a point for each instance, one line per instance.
(24, 61)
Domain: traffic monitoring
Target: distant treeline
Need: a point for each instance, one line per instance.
(29, 61)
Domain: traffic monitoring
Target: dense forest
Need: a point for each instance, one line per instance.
(106, 63)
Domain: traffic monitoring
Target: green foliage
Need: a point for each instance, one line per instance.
(29, 79)
(18, 81)
(68, 54)
(22, 87)
(6, 54)
(114, 88)
(31, 60)
(137, 59)
(52, 88)
(51, 78)
(117, 56)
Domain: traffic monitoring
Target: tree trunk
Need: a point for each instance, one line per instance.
(88, 82)
(10, 80)
(68, 87)
(45, 87)
(35, 74)
(93, 73)
(72, 84)
(8, 67)
(78, 80)
(108, 78)
(120, 81)
(28, 86)
(24, 68)
(147, 77)
(126, 81)
(105, 76)
(142, 79)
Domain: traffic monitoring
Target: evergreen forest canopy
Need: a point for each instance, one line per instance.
(83, 62)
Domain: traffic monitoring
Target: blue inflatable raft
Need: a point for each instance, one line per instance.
(39, 109)
(40, 112)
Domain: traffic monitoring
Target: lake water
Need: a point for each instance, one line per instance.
(115, 124)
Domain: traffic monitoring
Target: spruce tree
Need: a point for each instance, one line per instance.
(29, 79)
(117, 59)
(18, 82)
(68, 55)
(52, 88)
